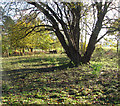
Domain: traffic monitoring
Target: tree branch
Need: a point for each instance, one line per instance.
(63, 24)
(105, 35)
(45, 29)
(59, 10)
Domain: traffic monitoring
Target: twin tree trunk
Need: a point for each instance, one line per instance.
(74, 53)
(72, 49)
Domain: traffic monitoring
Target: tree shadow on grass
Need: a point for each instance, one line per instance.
(19, 81)
(37, 64)
(22, 72)
(45, 59)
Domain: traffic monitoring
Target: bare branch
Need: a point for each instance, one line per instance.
(45, 29)
(87, 25)
(59, 10)
(105, 35)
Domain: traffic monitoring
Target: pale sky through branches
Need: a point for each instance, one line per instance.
(111, 14)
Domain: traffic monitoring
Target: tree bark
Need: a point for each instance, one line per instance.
(91, 45)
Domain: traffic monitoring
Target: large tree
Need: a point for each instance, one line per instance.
(64, 19)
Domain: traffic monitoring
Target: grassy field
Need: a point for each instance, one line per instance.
(47, 79)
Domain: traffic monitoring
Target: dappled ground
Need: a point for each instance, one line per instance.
(46, 79)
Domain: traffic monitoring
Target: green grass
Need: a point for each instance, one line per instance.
(46, 79)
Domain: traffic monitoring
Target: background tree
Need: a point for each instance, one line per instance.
(114, 25)
(34, 39)
(6, 44)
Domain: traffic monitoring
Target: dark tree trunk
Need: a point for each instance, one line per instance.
(31, 50)
(23, 50)
(95, 33)
(74, 55)
(117, 45)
